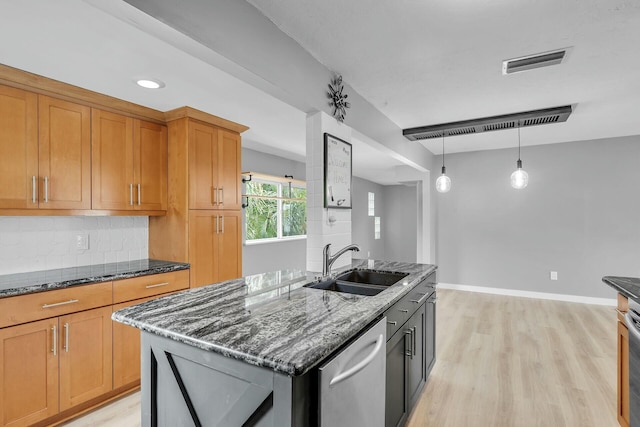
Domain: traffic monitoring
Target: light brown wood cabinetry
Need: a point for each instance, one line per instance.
(623, 363)
(129, 159)
(18, 149)
(203, 221)
(64, 154)
(214, 246)
(29, 372)
(214, 168)
(85, 356)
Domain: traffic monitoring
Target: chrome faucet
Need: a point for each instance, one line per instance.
(328, 259)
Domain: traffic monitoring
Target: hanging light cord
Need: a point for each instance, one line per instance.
(518, 140)
(443, 149)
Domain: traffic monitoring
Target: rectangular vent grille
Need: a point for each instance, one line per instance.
(531, 62)
(488, 124)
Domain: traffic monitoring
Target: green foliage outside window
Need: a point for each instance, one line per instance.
(275, 213)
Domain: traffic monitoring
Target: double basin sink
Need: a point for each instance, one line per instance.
(360, 282)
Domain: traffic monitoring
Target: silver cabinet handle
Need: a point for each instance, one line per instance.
(402, 310)
(57, 304)
(413, 339)
(46, 189)
(222, 217)
(408, 352)
(130, 194)
(139, 194)
(215, 195)
(66, 337)
(421, 300)
(221, 198)
(54, 341)
(360, 366)
(392, 322)
(157, 285)
(33, 189)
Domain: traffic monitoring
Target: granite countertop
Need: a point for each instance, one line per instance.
(627, 286)
(270, 319)
(46, 280)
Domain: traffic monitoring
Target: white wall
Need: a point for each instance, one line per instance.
(399, 221)
(362, 225)
(42, 243)
(578, 216)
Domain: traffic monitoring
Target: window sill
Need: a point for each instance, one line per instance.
(268, 241)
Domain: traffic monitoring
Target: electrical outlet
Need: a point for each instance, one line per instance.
(82, 242)
(553, 275)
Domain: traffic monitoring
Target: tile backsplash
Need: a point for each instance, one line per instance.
(43, 243)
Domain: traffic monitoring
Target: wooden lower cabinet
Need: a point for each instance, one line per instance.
(215, 250)
(623, 375)
(85, 356)
(29, 372)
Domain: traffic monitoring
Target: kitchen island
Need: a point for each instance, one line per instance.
(245, 351)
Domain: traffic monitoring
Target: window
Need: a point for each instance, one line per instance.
(372, 203)
(277, 210)
(376, 229)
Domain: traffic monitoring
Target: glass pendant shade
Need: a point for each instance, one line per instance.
(519, 178)
(443, 183)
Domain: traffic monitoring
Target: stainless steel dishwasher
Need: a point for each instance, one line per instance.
(352, 383)
(632, 319)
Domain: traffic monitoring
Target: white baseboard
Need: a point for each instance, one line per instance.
(530, 294)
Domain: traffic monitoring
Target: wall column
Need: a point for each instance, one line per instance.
(320, 230)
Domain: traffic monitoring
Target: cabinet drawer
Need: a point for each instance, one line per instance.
(401, 311)
(42, 305)
(147, 286)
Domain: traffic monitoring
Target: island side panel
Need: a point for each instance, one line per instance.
(184, 385)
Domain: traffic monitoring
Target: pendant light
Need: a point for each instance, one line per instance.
(519, 178)
(443, 183)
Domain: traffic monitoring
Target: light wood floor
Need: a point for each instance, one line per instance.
(501, 361)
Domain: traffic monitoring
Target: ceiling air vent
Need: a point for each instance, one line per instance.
(531, 62)
(488, 124)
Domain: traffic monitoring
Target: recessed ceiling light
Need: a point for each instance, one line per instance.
(150, 83)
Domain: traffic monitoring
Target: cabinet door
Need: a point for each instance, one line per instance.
(202, 247)
(85, 356)
(417, 363)
(18, 149)
(623, 375)
(396, 387)
(229, 170)
(112, 161)
(126, 350)
(203, 155)
(150, 160)
(29, 373)
(65, 154)
(430, 335)
(229, 250)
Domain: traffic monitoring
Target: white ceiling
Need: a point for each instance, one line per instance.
(419, 63)
(438, 61)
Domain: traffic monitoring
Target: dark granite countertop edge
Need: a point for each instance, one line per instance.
(621, 284)
(276, 364)
(166, 267)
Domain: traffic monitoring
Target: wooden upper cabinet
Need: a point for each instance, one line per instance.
(64, 155)
(150, 165)
(18, 149)
(214, 168)
(129, 160)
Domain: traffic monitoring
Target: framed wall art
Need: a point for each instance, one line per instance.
(337, 173)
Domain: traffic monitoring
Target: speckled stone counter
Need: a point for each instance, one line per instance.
(270, 319)
(45, 280)
(627, 286)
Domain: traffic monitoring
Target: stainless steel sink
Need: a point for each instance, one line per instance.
(359, 282)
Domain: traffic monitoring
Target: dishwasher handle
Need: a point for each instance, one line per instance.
(360, 366)
(631, 325)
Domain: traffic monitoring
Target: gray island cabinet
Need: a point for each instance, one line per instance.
(251, 351)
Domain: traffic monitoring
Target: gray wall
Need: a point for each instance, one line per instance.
(397, 207)
(578, 216)
(362, 226)
(263, 257)
(399, 223)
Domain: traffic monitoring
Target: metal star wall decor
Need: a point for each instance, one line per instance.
(338, 99)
